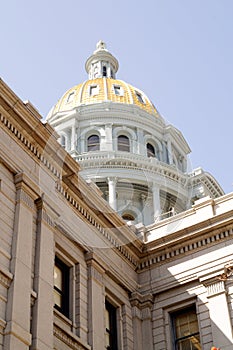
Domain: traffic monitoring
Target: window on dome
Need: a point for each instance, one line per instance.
(93, 143)
(70, 97)
(139, 97)
(94, 90)
(185, 328)
(123, 143)
(150, 150)
(104, 71)
(118, 90)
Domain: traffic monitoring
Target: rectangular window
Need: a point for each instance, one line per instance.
(70, 97)
(61, 287)
(139, 97)
(94, 90)
(118, 90)
(185, 329)
(111, 327)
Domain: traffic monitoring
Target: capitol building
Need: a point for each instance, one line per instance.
(108, 240)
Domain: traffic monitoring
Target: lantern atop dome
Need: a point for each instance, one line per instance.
(101, 64)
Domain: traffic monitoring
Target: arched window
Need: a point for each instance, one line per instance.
(104, 71)
(123, 143)
(128, 217)
(93, 143)
(150, 150)
(63, 141)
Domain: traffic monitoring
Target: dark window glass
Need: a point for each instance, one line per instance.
(61, 287)
(150, 150)
(139, 97)
(123, 143)
(93, 143)
(111, 327)
(128, 217)
(117, 90)
(185, 328)
(104, 71)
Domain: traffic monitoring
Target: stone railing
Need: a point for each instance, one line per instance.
(129, 160)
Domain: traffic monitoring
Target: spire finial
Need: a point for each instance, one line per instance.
(101, 45)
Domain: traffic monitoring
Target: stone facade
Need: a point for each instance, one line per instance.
(148, 274)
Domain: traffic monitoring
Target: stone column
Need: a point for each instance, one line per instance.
(156, 201)
(17, 331)
(96, 304)
(112, 181)
(219, 315)
(169, 151)
(141, 146)
(146, 209)
(108, 136)
(42, 324)
(73, 138)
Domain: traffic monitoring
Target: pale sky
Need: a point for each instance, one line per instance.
(179, 52)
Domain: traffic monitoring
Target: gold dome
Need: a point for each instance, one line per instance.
(103, 90)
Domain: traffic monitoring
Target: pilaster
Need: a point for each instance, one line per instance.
(219, 314)
(17, 331)
(96, 302)
(142, 320)
(112, 181)
(42, 325)
(108, 137)
(156, 201)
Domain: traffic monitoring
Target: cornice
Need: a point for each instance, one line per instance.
(29, 144)
(180, 244)
(108, 109)
(208, 180)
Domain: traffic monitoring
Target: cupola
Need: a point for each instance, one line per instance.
(101, 64)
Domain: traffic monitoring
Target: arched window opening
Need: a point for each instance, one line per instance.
(128, 217)
(93, 143)
(104, 71)
(150, 150)
(63, 141)
(123, 143)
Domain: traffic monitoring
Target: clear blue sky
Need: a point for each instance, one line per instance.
(179, 52)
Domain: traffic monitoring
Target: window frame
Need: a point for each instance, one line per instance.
(64, 291)
(93, 90)
(140, 97)
(112, 330)
(95, 145)
(149, 152)
(63, 141)
(70, 97)
(121, 144)
(119, 89)
(174, 317)
(104, 71)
